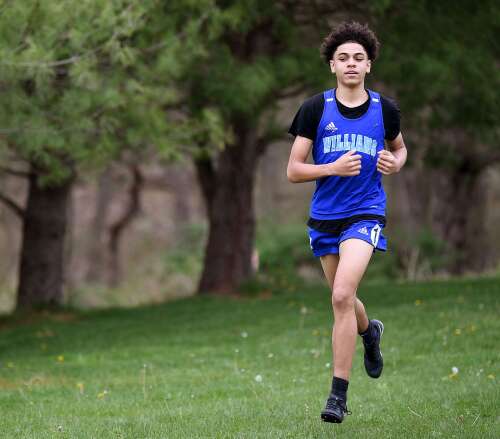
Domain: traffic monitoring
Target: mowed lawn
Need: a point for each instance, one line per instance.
(255, 368)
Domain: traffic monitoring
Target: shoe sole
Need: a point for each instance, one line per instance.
(327, 417)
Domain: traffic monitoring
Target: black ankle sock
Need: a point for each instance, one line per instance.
(339, 387)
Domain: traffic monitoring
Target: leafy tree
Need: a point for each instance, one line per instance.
(256, 53)
(441, 59)
(76, 91)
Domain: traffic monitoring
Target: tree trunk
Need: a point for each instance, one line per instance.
(41, 273)
(97, 248)
(228, 193)
(459, 219)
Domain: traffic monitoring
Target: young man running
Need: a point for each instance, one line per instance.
(346, 128)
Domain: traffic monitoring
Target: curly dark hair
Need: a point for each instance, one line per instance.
(350, 32)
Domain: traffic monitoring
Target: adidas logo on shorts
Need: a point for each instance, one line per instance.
(363, 230)
(331, 127)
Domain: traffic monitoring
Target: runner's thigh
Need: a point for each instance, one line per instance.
(355, 255)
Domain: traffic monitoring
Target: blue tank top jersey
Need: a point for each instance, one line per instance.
(341, 197)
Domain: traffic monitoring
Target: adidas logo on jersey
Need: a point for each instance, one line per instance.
(363, 230)
(331, 127)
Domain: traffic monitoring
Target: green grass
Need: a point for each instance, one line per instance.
(187, 369)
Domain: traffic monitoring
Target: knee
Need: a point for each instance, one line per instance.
(343, 297)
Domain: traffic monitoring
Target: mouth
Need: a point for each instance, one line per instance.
(351, 73)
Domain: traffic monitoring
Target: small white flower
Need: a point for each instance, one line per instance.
(270, 355)
(244, 334)
(59, 428)
(327, 365)
(454, 370)
(258, 378)
(303, 310)
(236, 350)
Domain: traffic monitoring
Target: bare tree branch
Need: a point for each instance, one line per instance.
(18, 210)
(292, 91)
(15, 172)
(268, 138)
(116, 229)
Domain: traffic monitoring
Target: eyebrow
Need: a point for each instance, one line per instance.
(345, 53)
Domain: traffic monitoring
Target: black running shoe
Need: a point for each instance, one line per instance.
(335, 410)
(374, 362)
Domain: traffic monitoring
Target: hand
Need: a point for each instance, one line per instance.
(347, 165)
(387, 163)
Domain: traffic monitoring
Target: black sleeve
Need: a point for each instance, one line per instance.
(306, 121)
(392, 118)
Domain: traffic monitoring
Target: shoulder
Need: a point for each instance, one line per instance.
(305, 122)
(314, 103)
(389, 105)
(392, 117)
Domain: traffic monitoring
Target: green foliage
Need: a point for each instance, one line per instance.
(433, 250)
(440, 60)
(83, 81)
(186, 257)
(283, 249)
(253, 51)
(188, 369)
(419, 256)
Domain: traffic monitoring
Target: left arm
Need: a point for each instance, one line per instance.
(391, 160)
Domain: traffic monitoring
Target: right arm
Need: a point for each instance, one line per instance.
(298, 171)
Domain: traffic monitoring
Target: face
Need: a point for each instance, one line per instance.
(350, 64)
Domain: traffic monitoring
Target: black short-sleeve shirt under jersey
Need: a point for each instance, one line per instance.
(305, 124)
(307, 119)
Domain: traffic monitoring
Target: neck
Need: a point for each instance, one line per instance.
(351, 96)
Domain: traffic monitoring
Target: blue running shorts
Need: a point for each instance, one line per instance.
(324, 243)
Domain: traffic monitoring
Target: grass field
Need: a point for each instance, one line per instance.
(255, 368)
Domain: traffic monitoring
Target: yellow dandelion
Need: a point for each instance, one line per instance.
(102, 394)
(458, 331)
(491, 376)
(60, 358)
(418, 302)
(454, 373)
(80, 387)
(472, 328)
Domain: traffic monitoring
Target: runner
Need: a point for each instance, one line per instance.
(346, 128)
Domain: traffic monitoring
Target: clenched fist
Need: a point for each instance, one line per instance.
(387, 163)
(347, 165)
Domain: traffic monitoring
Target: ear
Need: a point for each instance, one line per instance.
(332, 66)
(369, 63)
